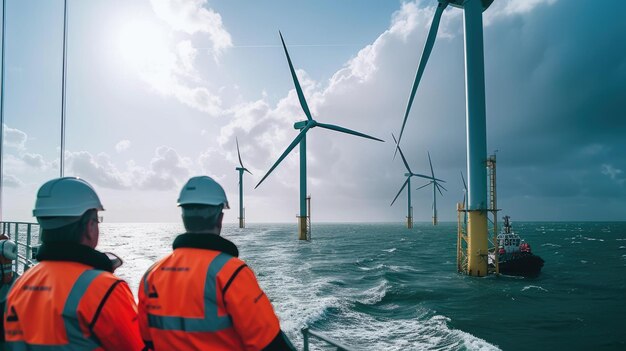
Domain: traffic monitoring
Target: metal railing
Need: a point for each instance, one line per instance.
(306, 333)
(26, 236)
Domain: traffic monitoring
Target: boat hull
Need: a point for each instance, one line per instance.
(523, 264)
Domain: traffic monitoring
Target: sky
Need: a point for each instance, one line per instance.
(158, 90)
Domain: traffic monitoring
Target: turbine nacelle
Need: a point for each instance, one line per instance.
(302, 124)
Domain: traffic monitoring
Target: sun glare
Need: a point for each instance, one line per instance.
(142, 44)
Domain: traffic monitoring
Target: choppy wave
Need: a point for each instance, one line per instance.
(407, 295)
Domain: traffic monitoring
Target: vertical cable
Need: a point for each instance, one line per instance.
(63, 83)
(4, 21)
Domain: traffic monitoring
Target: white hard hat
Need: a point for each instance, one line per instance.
(202, 190)
(66, 197)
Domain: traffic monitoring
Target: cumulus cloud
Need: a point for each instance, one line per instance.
(34, 160)
(613, 173)
(192, 16)
(97, 169)
(166, 62)
(186, 54)
(167, 169)
(502, 8)
(122, 145)
(14, 138)
(11, 181)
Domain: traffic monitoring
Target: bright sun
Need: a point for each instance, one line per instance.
(142, 44)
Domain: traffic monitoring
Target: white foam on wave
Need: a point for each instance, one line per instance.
(592, 239)
(376, 267)
(375, 294)
(551, 244)
(404, 269)
(390, 250)
(419, 333)
(528, 287)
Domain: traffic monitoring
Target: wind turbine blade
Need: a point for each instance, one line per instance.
(423, 186)
(245, 169)
(238, 154)
(406, 164)
(303, 103)
(437, 186)
(463, 179)
(431, 165)
(426, 177)
(403, 186)
(287, 151)
(441, 186)
(395, 152)
(428, 47)
(345, 130)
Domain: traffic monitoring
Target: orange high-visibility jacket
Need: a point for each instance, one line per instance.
(202, 297)
(71, 301)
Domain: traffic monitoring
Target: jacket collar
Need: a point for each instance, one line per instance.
(207, 242)
(74, 252)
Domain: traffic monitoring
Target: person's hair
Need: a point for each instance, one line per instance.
(201, 218)
(71, 232)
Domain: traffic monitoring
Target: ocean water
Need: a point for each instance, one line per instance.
(384, 287)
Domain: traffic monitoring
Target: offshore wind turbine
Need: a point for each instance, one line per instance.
(407, 182)
(436, 187)
(476, 125)
(304, 127)
(241, 169)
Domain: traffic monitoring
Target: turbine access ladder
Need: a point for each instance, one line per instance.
(462, 240)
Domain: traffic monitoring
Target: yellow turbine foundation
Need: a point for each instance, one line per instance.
(302, 228)
(409, 222)
(477, 242)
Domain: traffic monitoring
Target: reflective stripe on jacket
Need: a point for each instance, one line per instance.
(204, 299)
(67, 306)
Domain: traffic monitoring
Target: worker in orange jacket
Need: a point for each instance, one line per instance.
(201, 296)
(70, 300)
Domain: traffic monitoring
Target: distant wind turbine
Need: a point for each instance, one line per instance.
(464, 199)
(436, 187)
(476, 125)
(407, 182)
(464, 191)
(304, 127)
(241, 169)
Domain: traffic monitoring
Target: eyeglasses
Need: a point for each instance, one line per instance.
(98, 219)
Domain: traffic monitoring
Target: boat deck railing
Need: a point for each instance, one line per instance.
(26, 236)
(307, 333)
